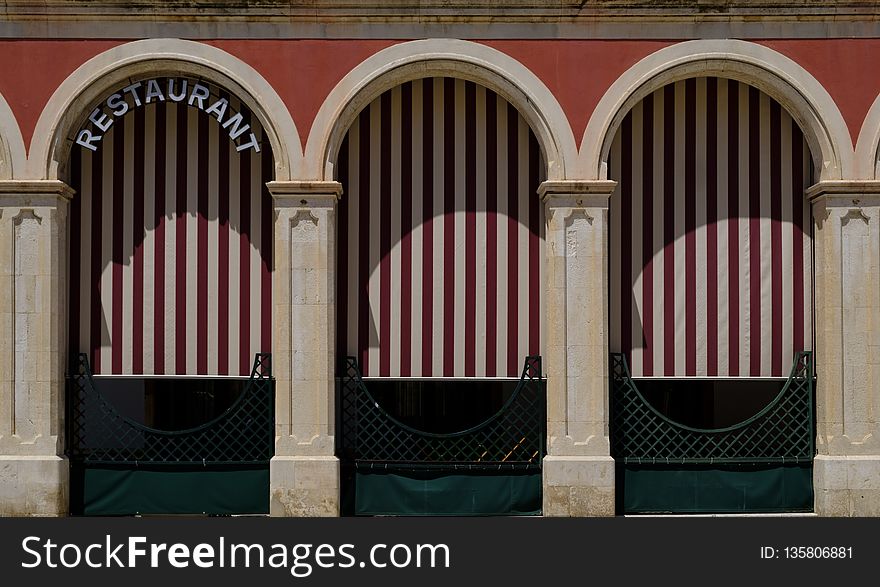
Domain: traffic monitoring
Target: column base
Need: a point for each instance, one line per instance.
(847, 486)
(304, 486)
(578, 486)
(34, 485)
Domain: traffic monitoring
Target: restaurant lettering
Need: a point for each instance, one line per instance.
(194, 94)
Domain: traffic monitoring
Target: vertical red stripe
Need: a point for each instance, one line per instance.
(668, 231)
(513, 358)
(223, 284)
(364, 197)
(180, 260)
(626, 211)
(491, 232)
(690, 224)
(75, 252)
(118, 254)
(797, 210)
(267, 209)
(245, 352)
(159, 253)
(754, 233)
(776, 238)
(137, 223)
(712, 227)
(385, 236)
(648, 236)
(97, 312)
(470, 196)
(733, 196)
(342, 254)
(428, 227)
(535, 309)
(202, 249)
(449, 148)
(406, 196)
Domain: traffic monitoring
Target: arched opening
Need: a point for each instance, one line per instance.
(170, 307)
(439, 299)
(711, 302)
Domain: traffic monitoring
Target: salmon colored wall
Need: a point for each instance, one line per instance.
(847, 69)
(304, 71)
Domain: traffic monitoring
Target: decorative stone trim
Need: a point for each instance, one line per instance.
(95, 78)
(773, 73)
(440, 57)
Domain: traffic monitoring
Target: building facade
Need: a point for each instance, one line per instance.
(667, 211)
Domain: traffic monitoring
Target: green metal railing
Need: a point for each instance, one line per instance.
(512, 438)
(244, 434)
(782, 432)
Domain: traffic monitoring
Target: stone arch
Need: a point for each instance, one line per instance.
(868, 145)
(769, 71)
(68, 106)
(12, 153)
(440, 58)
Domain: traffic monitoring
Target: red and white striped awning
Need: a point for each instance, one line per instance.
(711, 250)
(440, 234)
(171, 245)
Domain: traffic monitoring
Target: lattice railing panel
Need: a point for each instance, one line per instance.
(781, 432)
(98, 434)
(513, 437)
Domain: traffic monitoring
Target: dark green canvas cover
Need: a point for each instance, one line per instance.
(148, 490)
(732, 488)
(443, 493)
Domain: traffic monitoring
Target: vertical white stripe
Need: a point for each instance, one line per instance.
(680, 256)
(438, 229)
(375, 232)
(87, 196)
(522, 261)
(235, 235)
(658, 209)
(396, 139)
(107, 203)
(808, 250)
(149, 247)
(766, 277)
(256, 245)
(723, 234)
(192, 239)
(633, 297)
(743, 196)
(480, 155)
(126, 200)
(417, 227)
(213, 246)
(458, 319)
(701, 231)
(502, 248)
(786, 227)
(616, 300)
(170, 233)
(354, 197)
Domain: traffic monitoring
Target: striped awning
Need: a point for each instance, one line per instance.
(711, 250)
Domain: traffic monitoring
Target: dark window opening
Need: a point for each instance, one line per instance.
(709, 403)
(168, 403)
(441, 407)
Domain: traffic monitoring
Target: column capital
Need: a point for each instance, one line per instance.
(27, 193)
(305, 194)
(836, 193)
(577, 193)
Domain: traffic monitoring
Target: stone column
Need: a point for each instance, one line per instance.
(33, 300)
(846, 476)
(304, 474)
(578, 470)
